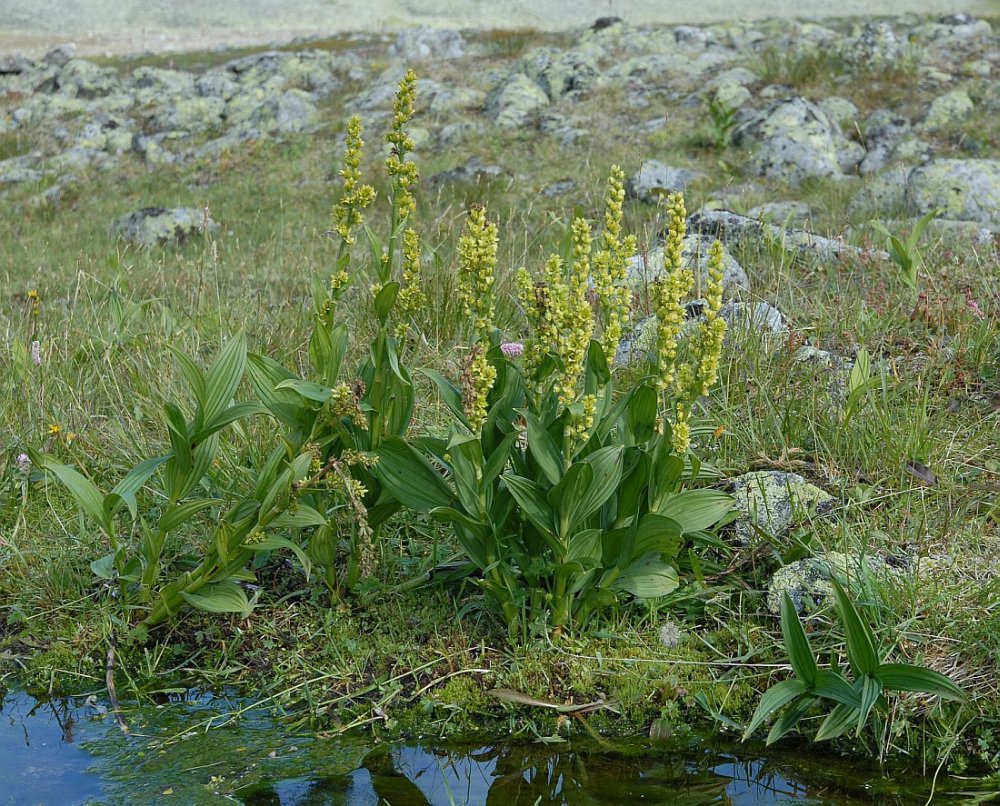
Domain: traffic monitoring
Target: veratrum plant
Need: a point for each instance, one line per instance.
(853, 700)
(341, 416)
(905, 254)
(567, 494)
(243, 526)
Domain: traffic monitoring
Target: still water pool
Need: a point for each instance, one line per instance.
(195, 750)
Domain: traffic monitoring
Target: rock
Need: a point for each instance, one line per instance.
(158, 225)
(873, 47)
(638, 343)
(307, 70)
(952, 30)
(152, 150)
(16, 176)
(152, 85)
(563, 72)
(732, 228)
(195, 113)
(827, 371)
(795, 140)
(947, 109)
(561, 127)
(423, 44)
(654, 180)
(962, 190)
(559, 188)
(883, 131)
(458, 131)
(441, 98)
(109, 133)
(821, 358)
(58, 56)
(216, 84)
(474, 170)
(512, 103)
(761, 318)
(809, 584)
(12, 64)
(85, 80)
(782, 212)
(840, 110)
(260, 111)
(774, 502)
(380, 93)
(646, 268)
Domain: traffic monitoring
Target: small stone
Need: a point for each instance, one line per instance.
(774, 501)
(654, 180)
(512, 103)
(159, 225)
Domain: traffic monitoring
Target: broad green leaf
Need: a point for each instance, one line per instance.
(695, 510)
(831, 685)
(310, 390)
(664, 476)
(796, 643)
(790, 719)
(870, 689)
(659, 534)
(641, 414)
(860, 642)
(597, 368)
(566, 496)
(192, 374)
(410, 478)
(384, 301)
(224, 376)
(905, 677)
(648, 578)
(130, 484)
(773, 700)
(580, 501)
(221, 597)
(466, 472)
(104, 568)
(543, 448)
(265, 374)
(180, 441)
(227, 416)
(86, 494)
(532, 502)
(304, 517)
(273, 542)
(499, 458)
(177, 514)
(837, 722)
(585, 547)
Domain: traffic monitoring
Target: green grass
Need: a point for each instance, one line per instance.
(109, 312)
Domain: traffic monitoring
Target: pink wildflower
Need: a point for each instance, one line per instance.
(512, 349)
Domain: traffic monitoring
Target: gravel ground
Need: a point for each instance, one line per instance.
(134, 26)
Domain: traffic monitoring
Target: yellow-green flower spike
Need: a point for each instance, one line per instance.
(411, 295)
(402, 173)
(477, 259)
(355, 196)
(671, 292)
(610, 266)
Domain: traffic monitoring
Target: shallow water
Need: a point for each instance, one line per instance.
(194, 750)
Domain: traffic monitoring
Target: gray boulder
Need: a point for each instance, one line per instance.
(947, 109)
(512, 103)
(782, 212)
(809, 582)
(85, 80)
(159, 225)
(962, 190)
(424, 44)
(647, 268)
(153, 85)
(563, 72)
(874, 46)
(795, 140)
(654, 179)
(193, 113)
(774, 501)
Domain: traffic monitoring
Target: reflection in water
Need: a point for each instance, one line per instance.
(255, 761)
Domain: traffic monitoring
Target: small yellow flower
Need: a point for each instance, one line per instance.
(55, 430)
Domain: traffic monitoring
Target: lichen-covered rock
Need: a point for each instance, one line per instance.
(953, 29)
(159, 225)
(963, 190)
(82, 79)
(439, 98)
(883, 131)
(840, 110)
(947, 109)
(563, 72)
(794, 140)
(307, 70)
(733, 228)
(154, 85)
(774, 501)
(654, 180)
(422, 44)
(269, 111)
(194, 113)
(637, 343)
(821, 358)
(512, 103)
(874, 46)
(761, 318)
(646, 268)
(809, 582)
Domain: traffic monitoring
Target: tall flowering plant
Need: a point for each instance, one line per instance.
(565, 493)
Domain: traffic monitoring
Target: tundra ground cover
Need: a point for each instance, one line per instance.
(905, 444)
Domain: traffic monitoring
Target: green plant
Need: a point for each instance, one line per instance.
(854, 701)
(905, 254)
(566, 494)
(722, 122)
